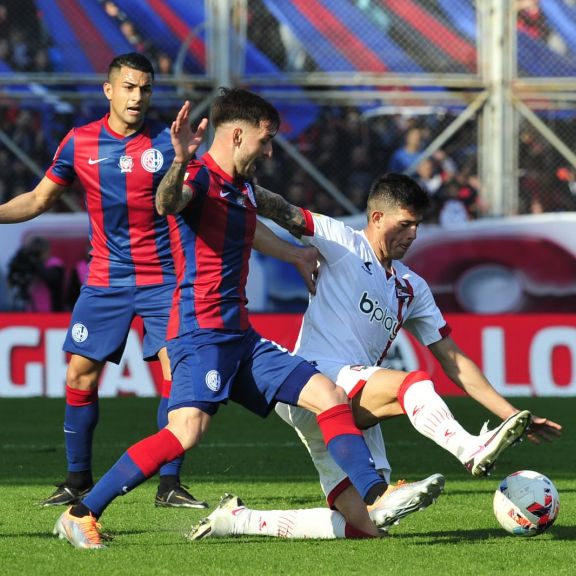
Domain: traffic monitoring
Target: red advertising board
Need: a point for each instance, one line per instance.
(522, 355)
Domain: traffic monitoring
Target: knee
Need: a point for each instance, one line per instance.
(81, 380)
(188, 425)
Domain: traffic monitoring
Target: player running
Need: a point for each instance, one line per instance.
(119, 160)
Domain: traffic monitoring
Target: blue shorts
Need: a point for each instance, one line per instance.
(209, 367)
(102, 317)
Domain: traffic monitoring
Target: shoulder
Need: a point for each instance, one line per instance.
(157, 129)
(406, 273)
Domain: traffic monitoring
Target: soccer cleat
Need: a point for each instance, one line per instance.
(220, 523)
(404, 498)
(65, 496)
(493, 442)
(178, 498)
(80, 532)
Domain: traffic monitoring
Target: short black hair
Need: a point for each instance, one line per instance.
(238, 104)
(132, 60)
(391, 189)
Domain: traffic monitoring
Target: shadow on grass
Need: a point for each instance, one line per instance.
(460, 536)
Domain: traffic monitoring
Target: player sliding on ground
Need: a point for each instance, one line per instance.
(364, 295)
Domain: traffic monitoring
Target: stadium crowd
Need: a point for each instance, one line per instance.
(349, 147)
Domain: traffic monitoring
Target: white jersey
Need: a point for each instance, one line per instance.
(359, 307)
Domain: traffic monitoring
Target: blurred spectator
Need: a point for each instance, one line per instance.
(406, 156)
(564, 193)
(429, 176)
(36, 278)
(531, 20)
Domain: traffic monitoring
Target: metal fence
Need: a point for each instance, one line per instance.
(475, 98)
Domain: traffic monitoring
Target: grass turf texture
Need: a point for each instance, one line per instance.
(264, 463)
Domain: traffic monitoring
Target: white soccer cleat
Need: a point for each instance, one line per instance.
(220, 523)
(405, 498)
(80, 532)
(482, 457)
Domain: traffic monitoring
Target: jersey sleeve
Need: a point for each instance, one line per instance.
(62, 170)
(332, 238)
(197, 178)
(426, 322)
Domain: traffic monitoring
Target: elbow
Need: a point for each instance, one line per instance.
(164, 208)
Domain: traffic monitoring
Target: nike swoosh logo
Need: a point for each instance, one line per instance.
(223, 194)
(97, 161)
(69, 431)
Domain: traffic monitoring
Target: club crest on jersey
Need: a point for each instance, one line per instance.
(79, 333)
(126, 164)
(152, 160)
(213, 380)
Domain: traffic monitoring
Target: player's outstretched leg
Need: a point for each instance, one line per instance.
(233, 518)
(405, 498)
(481, 457)
(430, 415)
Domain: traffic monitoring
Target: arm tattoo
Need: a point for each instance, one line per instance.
(171, 195)
(273, 206)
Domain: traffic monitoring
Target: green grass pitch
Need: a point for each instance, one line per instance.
(264, 463)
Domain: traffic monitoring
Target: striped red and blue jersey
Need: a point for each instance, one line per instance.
(211, 244)
(130, 241)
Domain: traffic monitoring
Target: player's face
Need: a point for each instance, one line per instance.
(253, 144)
(396, 230)
(129, 92)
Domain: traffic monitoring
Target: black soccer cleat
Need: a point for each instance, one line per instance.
(178, 498)
(65, 495)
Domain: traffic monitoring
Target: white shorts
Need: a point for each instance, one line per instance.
(352, 379)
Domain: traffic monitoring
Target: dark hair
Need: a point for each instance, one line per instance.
(392, 189)
(132, 60)
(238, 104)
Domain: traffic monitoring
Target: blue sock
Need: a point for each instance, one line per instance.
(79, 424)
(347, 446)
(142, 460)
(352, 455)
(119, 480)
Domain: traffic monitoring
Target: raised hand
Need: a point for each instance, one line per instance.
(184, 140)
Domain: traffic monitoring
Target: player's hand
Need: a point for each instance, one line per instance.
(307, 265)
(184, 140)
(542, 429)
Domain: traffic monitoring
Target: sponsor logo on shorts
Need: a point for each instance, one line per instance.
(213, 380)
(79, 333)
(152, 160)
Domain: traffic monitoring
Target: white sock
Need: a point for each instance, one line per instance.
(430, 415)
(312, 523)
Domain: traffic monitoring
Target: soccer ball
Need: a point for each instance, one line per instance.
(526, 503)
